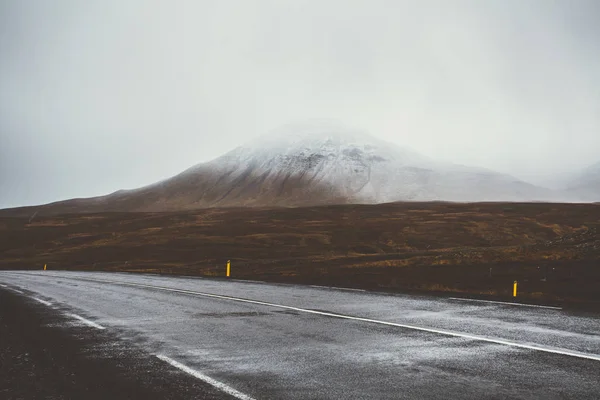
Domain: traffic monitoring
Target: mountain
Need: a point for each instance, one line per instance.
(312, 164)
(586, 184)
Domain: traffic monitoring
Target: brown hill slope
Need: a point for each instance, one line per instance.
(310, 166)
(196, 190)
(398, 246)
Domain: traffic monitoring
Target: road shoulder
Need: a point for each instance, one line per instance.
(44, 355)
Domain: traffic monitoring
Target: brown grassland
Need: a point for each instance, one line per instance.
(553, 250)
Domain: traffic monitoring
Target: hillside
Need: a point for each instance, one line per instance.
(310, 164)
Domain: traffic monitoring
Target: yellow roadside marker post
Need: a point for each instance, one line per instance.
(228, 268)
(515, 289)
(44, 267)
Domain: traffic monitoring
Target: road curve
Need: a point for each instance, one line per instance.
(254, 340)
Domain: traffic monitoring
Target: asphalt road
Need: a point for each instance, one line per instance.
(264, 341)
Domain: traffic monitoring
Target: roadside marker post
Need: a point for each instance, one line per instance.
(44, 267)
(515, 289)
(228, 268)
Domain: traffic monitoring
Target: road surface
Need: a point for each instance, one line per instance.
(252, 340)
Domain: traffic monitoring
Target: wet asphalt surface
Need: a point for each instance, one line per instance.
(269, 352)
(45, 355)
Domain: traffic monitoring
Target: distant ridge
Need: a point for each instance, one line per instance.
(586, 184)
(312, 164)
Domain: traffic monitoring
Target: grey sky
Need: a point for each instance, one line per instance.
(100, 95)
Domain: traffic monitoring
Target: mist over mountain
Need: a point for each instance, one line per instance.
(586, 184)
(313, 164)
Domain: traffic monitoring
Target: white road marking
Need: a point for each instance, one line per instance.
(44, 302)
(197, 374)
(16, 290)
(564, 352)
(247, 281)
(505, 302)
(337, 288)
(349, 289)
(3, 285)
(87, 321)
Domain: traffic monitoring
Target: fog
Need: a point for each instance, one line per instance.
(100, 95)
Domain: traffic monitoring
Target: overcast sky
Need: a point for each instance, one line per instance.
(100, 95)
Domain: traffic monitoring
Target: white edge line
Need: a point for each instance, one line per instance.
(246, 281)
(505, 302)
(337, 288)
(197, 374)
(570, 353)
(44, 302)
(16, 290)
(87, 321)
(3, 285)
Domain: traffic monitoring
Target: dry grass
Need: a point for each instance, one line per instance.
(392, 246)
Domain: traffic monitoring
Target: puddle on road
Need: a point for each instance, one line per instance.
(287, 312)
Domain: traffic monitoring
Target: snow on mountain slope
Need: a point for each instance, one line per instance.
(313, 164)
(364, 169)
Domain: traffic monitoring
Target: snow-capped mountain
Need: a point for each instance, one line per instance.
(586, 184)
(363, 168)
(311, 164)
